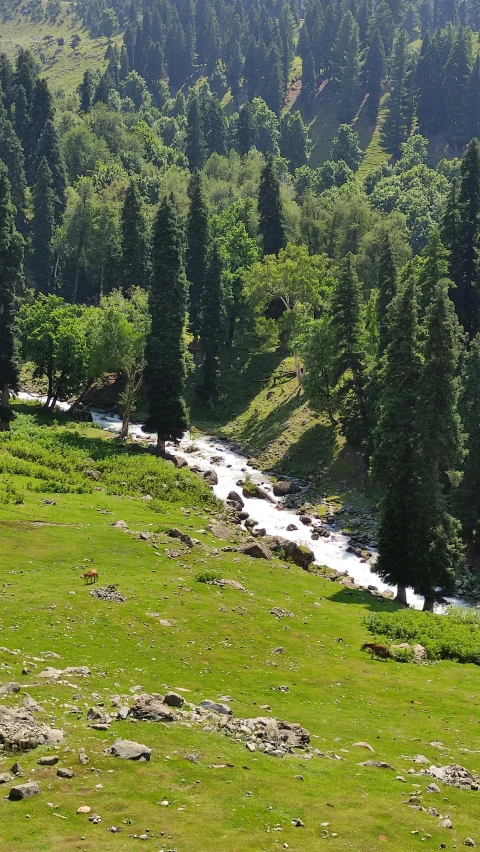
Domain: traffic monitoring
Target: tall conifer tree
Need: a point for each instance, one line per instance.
(197, 249)
(374, 70)
(43, 228)
(397, 447)
(134, 247)
(469, 491)
(11, 255)
(212, 331)
(272, 226)
(347, 323)
(49, 147)
(165, 371)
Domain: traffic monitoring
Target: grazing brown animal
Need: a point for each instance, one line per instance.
(376, 650)
(91, 576)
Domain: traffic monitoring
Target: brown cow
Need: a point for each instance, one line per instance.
(376, 650)
(91, 575)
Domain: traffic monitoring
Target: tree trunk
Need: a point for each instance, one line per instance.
(401, 596)
(126, 420)
(4, 399)
(160, 447)
(81, 397)
(50, 389)
(57, 391)
(428, 604)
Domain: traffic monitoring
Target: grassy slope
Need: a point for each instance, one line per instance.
(62, 66)
(264, 410)
(220, 642)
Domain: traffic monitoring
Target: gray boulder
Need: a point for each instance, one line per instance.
(223, 709)
(255, 550)
(149, 708)
(173, 699)
(23, 791)
(130, 750)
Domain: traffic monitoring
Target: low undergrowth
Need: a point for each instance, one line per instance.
(68, 458)
(453, 636)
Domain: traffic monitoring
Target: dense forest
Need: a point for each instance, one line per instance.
(166, 214)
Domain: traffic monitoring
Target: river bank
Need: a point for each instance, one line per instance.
(330, 546)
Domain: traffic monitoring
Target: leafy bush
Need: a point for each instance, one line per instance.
(401, 655)
(207, 577)
(58, 459)
(453, 636)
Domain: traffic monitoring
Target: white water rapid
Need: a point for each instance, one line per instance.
(230, 467)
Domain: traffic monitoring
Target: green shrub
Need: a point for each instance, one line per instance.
(207, 577)
(453, 636)
(401, 655)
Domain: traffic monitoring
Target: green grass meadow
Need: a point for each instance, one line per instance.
(220, 642)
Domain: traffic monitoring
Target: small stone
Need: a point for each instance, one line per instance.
(48, 760)
(469, 842)
(84, 809)
(432, 788)
(5, 777)
(299, 777)
(363, 745)
(446, 823)
(143, 837)
(65, 773)
(298, 823)
(16, 769)
(251, 746)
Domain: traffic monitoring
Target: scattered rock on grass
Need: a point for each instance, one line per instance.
(255, 550)
(23, 791)
(223, 709)
(130, 750)
(48, 760)
(173, 699)
(151, 708)
(380, 764)
(455, 775)
(65, 773)
(20, 730)
(108, 593)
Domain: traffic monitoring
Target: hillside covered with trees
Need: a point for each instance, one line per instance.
(164, 219)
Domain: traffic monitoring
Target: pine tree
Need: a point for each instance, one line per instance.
(134, 244)
(469, 491)
(442, 442)
(374, 70)
(11, 255)
(43, 228)
(347, 323)
(346, 147)
(457, 75)
(12, 157)
(473, 101)
(165, 371)
(395, 127)
(215, 127)
(49, 147)
(195, 140)
(212, 326)
(387, 289)
(272, 227)
(434, 268)
(347, 48)
(245, 129)
(466, 251)
(197, 248)
(275, 89)
(294, 141)
(396, 461)
(309, 82)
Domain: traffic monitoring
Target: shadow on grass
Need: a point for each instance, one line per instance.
(368, 601)
(241, 381)
(313, 453)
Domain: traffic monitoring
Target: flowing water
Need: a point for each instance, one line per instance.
(231, 466)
